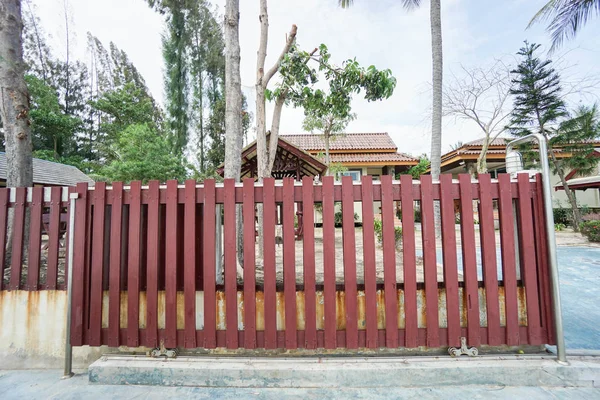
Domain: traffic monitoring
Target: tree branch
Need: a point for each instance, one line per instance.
(291, 37)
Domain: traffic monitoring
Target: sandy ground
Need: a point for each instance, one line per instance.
(563, 238)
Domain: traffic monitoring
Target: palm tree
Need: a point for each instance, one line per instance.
(436, 52)
(566, 18)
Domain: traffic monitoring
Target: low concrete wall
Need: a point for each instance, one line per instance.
(32, 331)
(32, 324)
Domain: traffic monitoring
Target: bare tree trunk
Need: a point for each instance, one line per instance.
(14, 107)
(14, 97)
(481, 160)
(265, 153)
(233, 106)
(436, 120)
(570, 195)
(436, 116)
(233, 92)
(326, 136)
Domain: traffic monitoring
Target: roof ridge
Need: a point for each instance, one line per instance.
(341, 133)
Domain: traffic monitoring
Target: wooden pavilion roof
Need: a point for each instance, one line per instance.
(290, 161)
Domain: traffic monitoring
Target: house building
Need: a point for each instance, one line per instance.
(464, 160)
(362, 154)
(48, 173)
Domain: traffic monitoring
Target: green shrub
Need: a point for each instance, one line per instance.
(559, 227)
(378, 225)
(591, 229)
(417, 215)
(338, 218)
(561, 216)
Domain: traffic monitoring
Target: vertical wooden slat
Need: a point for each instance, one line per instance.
(308, 247)
(209, 261)
(99, 198)
(488, 255)
(526, 235)
(230, 264)
(53, 237)
(329, 263)
(509, 267)
(152, 264)
(4, 193)
(249, 266)
(409, 264)
(349, 251)
(289, 267)
(79, 243)
(35, 238)
(114, 279)
(450, 259)
(133, 265)
(467, 232)
(17, 238)
(189, 267)
(429, 261)
(171, 266)
(370, 277)
(269, 263)
(389, 262)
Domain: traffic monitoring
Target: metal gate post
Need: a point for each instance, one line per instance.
(551, 238)
(68, 372)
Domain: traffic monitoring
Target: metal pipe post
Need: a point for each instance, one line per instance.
(551, 240)
(68, 372)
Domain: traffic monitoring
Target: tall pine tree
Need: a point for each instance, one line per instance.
(539, 108)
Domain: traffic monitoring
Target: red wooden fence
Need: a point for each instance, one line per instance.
(150, 252)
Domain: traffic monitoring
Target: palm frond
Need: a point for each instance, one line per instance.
(345, 3)
(566, 18)
(411, 4)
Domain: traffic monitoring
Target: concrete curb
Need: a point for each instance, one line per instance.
(345, 372)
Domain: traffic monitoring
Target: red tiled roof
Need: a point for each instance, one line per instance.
(371, 158)
(346, 141)
(496, 142)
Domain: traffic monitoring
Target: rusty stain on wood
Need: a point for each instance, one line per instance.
(300, 304)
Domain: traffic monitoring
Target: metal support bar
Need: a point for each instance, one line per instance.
(68, 348)
(551, 239)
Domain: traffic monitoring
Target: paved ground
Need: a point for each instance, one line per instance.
(579, 269)
(47, 385)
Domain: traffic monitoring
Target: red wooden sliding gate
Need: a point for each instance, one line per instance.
(145, 257)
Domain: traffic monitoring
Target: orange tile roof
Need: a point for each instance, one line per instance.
(372, 158)
(346, 141)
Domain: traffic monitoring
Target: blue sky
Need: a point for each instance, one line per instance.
(380, 32)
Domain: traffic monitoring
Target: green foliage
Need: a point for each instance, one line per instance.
(378, 225)
(566, 18)
(559, 227)
(417, 215)
(176, 81)
(329, 109)
(51, 128)
(575, 135)
(538, 104)
(562, 216)
(338, 218)
(144, 154)
(417, 170)
(591, 229)
(337, 170)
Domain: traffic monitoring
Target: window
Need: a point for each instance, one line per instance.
(494, 173)
(355, 174)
